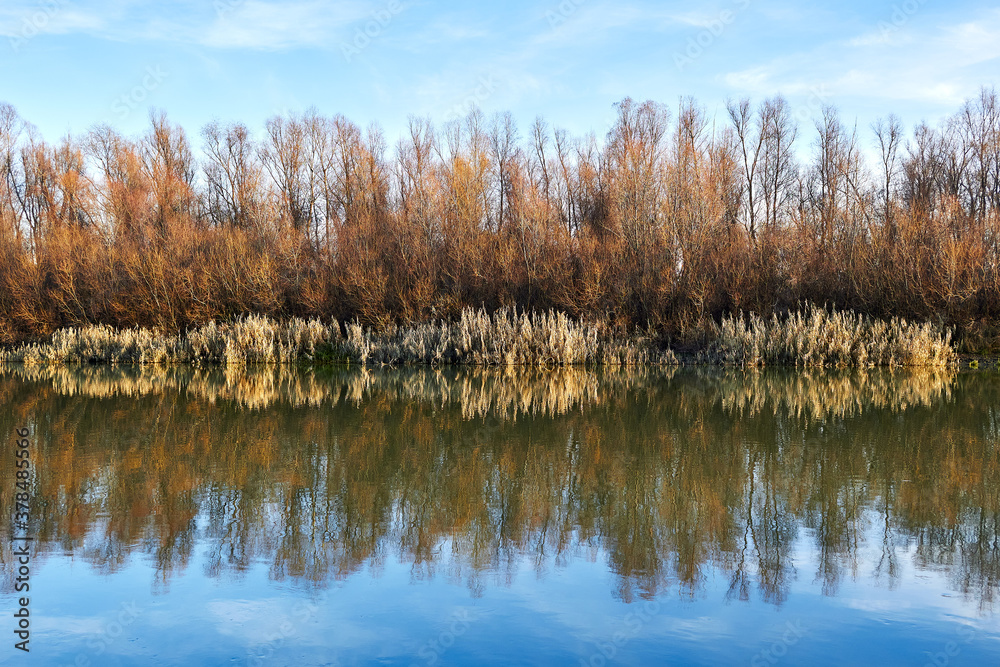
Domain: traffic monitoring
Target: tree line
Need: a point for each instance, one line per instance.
(671, 220)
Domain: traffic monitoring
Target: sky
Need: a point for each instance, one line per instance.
(68, 65)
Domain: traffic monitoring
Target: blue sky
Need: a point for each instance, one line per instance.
(69, 64)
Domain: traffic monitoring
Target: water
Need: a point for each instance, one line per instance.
(423, 517)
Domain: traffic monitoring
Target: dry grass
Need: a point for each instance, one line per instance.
(812, 338)
(504, 338)
(817, 337)
(477, 338)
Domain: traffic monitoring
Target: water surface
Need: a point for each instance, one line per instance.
(338, 517)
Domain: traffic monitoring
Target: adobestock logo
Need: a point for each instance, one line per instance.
(484, 91)
(372, 30)
(127, 103)
(771, 655)
(901, 15)
(556, 17)
(712, 31)
(35, 23)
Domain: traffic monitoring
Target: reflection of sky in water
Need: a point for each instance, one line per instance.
(566, 615)
(534, 530)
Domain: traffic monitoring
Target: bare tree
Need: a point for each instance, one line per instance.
(889, 132)
(415, 174)
(635, 153)
(11, 177)
(839, 180)
(539, 146)
(777, 168)
(233, 173)
(980, 126)
(170, 167)
(750, 136)
(285, 156)
(124, 191)
(503, 142)
(922, 171)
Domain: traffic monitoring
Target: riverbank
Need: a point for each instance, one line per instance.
(811, 338)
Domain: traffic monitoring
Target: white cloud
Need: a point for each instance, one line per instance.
(594, 23)
(912, 61)
(273, 26)
(452, 31)
(977, 41)
(222, 24)
(20, 21)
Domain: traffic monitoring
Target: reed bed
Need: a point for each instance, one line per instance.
(810, 338)
(816, 337)
(504, 338)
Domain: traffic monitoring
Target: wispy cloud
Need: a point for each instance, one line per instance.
(914, 60)
(265, 25)
(975, 41)
(451, 30)
(597, 22)
(53, 18)
(274, 26)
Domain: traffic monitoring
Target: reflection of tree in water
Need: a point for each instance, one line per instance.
(471, 474)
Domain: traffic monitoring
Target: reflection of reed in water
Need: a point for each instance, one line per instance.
(664, 477)
(822, 394)
(504, 392)
(251, 388)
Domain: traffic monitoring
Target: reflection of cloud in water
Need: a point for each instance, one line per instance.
(250, 619)
(57, 626)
